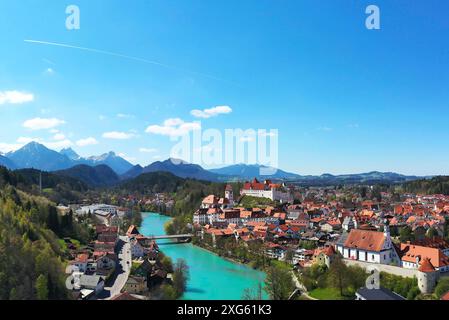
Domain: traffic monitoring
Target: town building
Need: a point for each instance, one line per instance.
(368, 246)
(267, 189)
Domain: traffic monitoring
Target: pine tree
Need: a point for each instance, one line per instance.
(42, 287)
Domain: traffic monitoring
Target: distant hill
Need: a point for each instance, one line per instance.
(97, 176)
(135, 171)
(179, 168)
(247, 172)
(373, 177)
(153, 182)
(115, 162)
(35, 155)
(7, 163)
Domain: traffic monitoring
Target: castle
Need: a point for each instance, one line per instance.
(267, 189)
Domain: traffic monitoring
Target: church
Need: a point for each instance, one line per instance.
(369, 246)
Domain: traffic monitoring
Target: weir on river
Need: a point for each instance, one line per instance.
(211, 277)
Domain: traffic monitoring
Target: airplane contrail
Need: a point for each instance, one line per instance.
(110, 53)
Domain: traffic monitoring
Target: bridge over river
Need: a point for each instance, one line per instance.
(179, 237)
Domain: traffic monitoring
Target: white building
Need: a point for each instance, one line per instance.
(267, 189)
(368, 246)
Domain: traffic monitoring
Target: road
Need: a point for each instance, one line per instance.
(301, 287)
(122, 270)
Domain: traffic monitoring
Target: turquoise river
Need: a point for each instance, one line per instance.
(211, 277)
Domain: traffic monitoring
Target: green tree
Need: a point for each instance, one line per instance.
(180, 277)
(279, 282)
(406, 234)
(253, 293)
(338, 275)
(442, 287)
(42, 287)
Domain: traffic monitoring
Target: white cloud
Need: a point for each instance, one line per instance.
(157, 157)
(147, 150)
(8, 147)
(15, 97)
(326, 129)
(59, 136)
(212, 112)
(42, 123)
(118, 135)
(86, 142)
(174, 127)
(26, 140)
(49, 71)
(56, 145)
(124, 116)
(101, 117)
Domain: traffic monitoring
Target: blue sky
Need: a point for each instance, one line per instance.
(344, 99)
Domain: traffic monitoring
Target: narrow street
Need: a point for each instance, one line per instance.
(118, 280)
(301, 287)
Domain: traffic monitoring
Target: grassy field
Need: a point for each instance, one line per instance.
(255, 202)
(326, 294)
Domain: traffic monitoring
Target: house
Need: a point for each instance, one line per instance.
(136, 284)
(137, 250)
(368, 246)
(324, 256)
(106, 262)
(275, 251)
(81, 262)
(413, 254)
(377, 294)
(302, 254)
(211, 201)
(91, 282)
(200, 216)
(348, 224)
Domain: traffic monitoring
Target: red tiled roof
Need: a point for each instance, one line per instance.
(435, 256)
(426, 266)
(210, 199)
(365, 240)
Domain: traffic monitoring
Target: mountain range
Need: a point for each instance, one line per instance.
(109, 169)
(36, 155)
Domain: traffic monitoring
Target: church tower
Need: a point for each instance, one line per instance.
(229, 194)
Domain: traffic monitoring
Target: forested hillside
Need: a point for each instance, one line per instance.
(187, 193)
(31, 259)
(436, 185)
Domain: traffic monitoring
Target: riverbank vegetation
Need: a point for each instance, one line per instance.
(279, 283)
